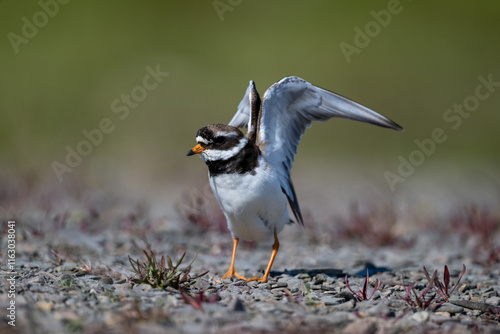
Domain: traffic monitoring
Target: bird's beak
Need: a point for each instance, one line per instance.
(195, 150)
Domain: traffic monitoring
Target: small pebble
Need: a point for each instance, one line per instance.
(143, 287)
(106, 280)
(332, 300)
(238, 305)
(303, 276)
(443, 314)
(495, 301)
(44, 306)
(450, 308)
(421, 317)
(264, 286)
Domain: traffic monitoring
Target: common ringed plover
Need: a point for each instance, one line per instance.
(250, 174)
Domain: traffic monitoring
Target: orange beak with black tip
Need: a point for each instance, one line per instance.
(195, 150)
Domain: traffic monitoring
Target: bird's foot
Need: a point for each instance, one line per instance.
(260, 279)
(232, 273)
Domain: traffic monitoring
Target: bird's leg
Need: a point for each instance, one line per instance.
(231, 272)
(276, 247)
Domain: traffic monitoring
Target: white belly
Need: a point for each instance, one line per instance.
(254, 205)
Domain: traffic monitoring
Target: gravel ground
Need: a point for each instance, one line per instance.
(73, 272)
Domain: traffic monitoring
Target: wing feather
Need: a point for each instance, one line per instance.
(242, 118)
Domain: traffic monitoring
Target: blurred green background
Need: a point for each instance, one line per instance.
(64, 78)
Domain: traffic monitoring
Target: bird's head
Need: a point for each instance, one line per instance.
(218, 142)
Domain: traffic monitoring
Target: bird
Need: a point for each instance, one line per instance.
(250, 173)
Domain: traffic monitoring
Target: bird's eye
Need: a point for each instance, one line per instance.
(220, 140)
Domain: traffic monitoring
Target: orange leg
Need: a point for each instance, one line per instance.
(231, 272)
(276, 247)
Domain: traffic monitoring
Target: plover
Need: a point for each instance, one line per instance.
(250, 174)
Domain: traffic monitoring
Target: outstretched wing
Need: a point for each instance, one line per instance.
(291, 105)
(288, 108)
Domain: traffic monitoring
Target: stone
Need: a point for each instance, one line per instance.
(279, 285)
(144, 287)
(421, 316)
(495, 301)
(106, 280)
(450, 308)
(330, 300)
(238, 305)
(346, 306)
(361, 326)
(379, 309)
(443, 314)
(44, 306)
